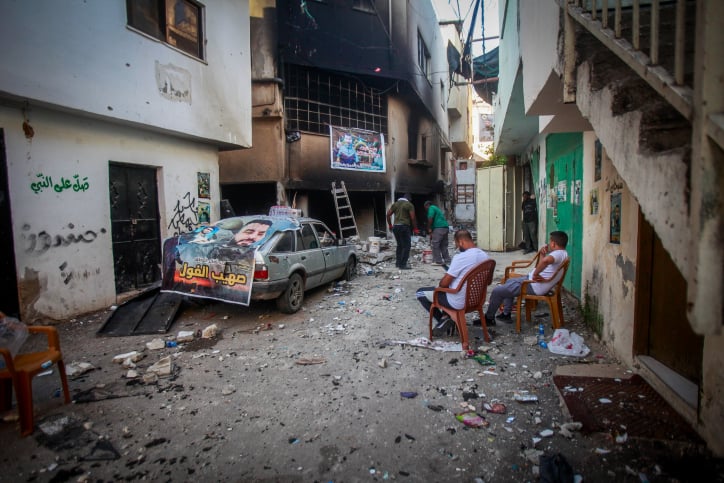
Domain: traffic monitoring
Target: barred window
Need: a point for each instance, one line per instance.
(465, 193)
(314, 100)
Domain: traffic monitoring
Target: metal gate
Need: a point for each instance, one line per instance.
(134, 226)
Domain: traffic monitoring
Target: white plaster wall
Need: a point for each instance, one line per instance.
(64, 145)
(538, 45)
(80, 55)
(609, 270)
(509, 61)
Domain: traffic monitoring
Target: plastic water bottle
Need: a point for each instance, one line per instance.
(541, 337)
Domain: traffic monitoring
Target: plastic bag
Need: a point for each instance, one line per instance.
(12, 336)
(567, 344)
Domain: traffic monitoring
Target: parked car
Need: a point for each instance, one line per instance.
(256, 258)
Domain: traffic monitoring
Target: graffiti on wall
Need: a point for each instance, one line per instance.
(43, 241)
(185, 215)
(46, 182)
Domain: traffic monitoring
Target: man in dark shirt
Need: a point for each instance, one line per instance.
(530, 223)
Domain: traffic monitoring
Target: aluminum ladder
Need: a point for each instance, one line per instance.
(345, 216)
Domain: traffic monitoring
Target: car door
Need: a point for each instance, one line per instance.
(333, 259)
(311, 256)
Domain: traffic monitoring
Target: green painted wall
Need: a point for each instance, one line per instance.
(564, 180)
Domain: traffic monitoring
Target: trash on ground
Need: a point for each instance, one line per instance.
(605, 400)
(472, 419)
(567, 429)
(408, 394)
(310, 361)
(438, 345)
(567, 343)
(484, 359)
(495, 408)
(524, 397)
(161, 368)
(555, 468)
(185, 336)
(155, 344)
(546, 433)
(75, 369)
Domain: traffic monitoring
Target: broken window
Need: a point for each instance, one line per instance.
(423, 56)
(175, 22)
(315, 100)
(465, 193)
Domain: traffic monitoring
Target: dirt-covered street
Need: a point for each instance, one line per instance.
(330, 393)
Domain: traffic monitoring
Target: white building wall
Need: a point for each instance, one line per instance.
(509, 60)
(538, 47)
(83, 57)
(65, 279)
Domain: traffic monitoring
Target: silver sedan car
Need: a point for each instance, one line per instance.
(257, 258)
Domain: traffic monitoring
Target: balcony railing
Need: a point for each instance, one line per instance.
(640, 33)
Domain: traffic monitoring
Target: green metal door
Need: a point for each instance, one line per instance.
(564, 212)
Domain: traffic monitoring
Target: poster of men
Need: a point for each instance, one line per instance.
(356, 149)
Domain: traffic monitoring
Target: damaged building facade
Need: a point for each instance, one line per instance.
(112, 115)
(617, 110)
(324, 69)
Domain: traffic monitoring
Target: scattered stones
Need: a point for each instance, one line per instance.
(161, 368)
(185, 336)
(210, 332)
(75, 369)
(155, 344)
(133, 356)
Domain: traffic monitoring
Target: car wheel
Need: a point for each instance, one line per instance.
(350, 270)
(291, 299)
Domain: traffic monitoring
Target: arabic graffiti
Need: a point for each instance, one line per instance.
(46, 182)
(42, 241)
(185, 215)
(202, 271)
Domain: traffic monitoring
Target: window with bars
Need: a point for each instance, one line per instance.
(175, 22)
(314, 100)
(465, 193)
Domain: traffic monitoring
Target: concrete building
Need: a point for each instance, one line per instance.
(112, 115)
(622, 130)
(376, 73)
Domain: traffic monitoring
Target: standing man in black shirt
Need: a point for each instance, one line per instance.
(530, 223)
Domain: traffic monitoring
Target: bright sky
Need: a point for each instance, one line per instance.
(454, 9)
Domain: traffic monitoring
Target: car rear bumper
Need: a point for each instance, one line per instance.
(268, 290)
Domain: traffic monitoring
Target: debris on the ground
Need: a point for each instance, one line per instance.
(133, 356)
(155, 344)
(185, 336)
(495, 408)
(75, 369)
(161, 368)
(310, 361)
(210, 332)
(567, 429)
(408, 394)
(472, 419)
(524, 397)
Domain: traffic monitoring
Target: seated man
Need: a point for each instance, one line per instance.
(552, 255)
(469, 257)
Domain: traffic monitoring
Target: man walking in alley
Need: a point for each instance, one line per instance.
(530, 222)
(438, 230)
(551, 257)
(403, 227)
(469, 257)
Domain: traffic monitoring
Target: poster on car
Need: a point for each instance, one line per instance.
(217, 261)
(356, 149)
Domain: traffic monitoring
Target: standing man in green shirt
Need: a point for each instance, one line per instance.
(403, 227)
(437, 228)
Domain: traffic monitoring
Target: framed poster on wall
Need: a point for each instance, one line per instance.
(616, 217)
(357, 150)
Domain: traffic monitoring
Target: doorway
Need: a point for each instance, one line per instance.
(662, 329)
(134, 226)
(8, 278)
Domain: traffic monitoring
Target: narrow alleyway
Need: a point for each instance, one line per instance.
(318, 396)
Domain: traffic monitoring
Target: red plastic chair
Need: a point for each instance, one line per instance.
(477, 281)
(20, 370)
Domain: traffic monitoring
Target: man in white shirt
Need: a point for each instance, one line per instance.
(551, 257)
(469, 257)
